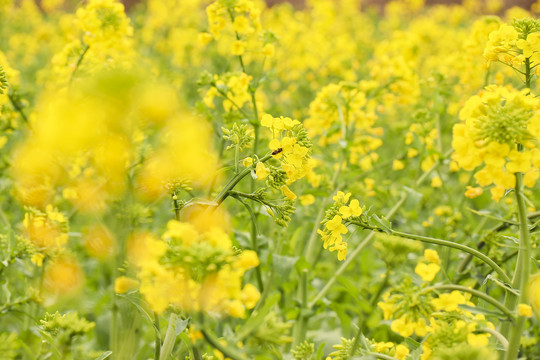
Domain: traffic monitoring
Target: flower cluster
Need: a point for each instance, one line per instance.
(334, 227)
(244, 17)
(232, 87)
(291, 145)
(513, 44)
(195, 267)
(103, 40)
(500, 129)
(342, 112)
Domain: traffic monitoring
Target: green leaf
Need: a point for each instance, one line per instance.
(480, 310)
(105, 355)
(382, 223)
(181, 325)
(320, 352)
(282, 266)
(413, 344)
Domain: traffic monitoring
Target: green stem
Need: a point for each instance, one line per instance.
(176, 208)
(157, 338)
(236, 179)
(478, 294)
(497, 335)
(521, 274)
(17, 106)
(214, 341)
(236, 158)
(78, 63)
(381, 356)
(446, 243)
(254, 240)
(300, 327)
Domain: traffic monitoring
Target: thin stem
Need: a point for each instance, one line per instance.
(381, 356)
(214, 341)
(78, 63)
(176, 208)
(236, 158)
(521, 274)
(224, 94)
(505, 225)
(17, 106)
(255, 244)
(236, 179)
(157, 339)
(497, 335)
(446, 243)
(301, 324)
(478, 294)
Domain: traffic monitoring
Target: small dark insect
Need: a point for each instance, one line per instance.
(277, 151)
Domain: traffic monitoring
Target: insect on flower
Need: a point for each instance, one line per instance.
(277, 151)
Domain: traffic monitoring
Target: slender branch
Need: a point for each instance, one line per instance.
(255, 245)
(521, 274)
(446, 243)
(236, 179)
(497, 335)
(478, 294)
(78, 63)
(301, 324)
(157, 337)
(214, 341)
(381, 356)
(17, 107)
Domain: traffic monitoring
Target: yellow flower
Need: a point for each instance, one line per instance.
(341, 197)
(235, 308)
(473, 192)
(37, 259)
(478, 340)
(398, 165)
(403, 326)
(204, 38)
(336, 226)
(268, 50)
(353, 209)
(534, 291)
(124, 284)
(307, 199)
(287, 192)
(261, 171)
(241, 25)
(63, 276)
(524, 310)
(432, 256)
(401, 352)
(427, 271)
(436, 182)
(238, 47)
(449, 302)
(247, 162)
(250, 296)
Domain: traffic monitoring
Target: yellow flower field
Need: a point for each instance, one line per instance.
(197, 179)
